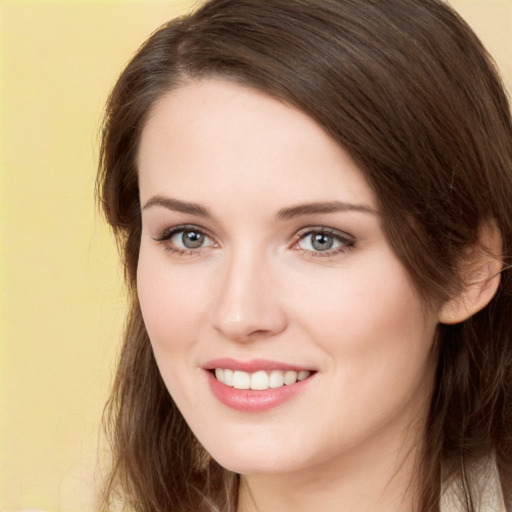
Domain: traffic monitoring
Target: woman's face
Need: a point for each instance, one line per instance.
(262, 257)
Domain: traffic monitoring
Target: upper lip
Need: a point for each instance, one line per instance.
(252, 365)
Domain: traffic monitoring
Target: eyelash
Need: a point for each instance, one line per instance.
(346, 242)
(171, 232)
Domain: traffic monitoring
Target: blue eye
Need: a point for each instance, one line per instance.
(324, 241)
(189, 239)
(184, 239)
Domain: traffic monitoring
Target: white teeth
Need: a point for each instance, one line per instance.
(276, 379)
(219, 374)
(228, 377)
(303, 374)
(259, 380)
(290, 377)
(241, 380)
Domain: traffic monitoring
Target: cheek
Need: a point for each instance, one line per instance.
(173, 308)
(378, 339)
(362, 305)
(173, 303)
(375, 329)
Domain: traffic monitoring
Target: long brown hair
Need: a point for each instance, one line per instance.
(409, 91)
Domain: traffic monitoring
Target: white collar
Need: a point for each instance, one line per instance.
(483, 477)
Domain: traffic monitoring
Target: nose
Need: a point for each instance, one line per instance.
(248, 305)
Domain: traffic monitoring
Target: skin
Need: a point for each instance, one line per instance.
(259, 288)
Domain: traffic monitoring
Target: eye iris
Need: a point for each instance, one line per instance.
(192, 239)
(322, 241)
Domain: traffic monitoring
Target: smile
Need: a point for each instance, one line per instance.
(259, 380)
(257, 385)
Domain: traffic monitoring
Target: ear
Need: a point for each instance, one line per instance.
(480, 269)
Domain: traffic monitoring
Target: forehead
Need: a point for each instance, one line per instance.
(214, 136)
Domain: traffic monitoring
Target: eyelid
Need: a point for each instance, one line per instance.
(347, 241)
(165, 239)
(343, 235)
(168, 233)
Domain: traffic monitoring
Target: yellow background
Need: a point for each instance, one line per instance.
(62, 301)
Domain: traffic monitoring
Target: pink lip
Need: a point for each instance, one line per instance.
(248, 400)
(251, 366)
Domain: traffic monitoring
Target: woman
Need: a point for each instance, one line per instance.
(313, 205)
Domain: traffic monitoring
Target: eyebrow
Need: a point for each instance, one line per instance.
(283, 214)
(178, 206)
(322, 207)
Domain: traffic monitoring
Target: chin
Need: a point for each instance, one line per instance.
(253, 467)
(255, 460)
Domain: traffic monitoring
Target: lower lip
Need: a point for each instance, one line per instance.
(248, 400)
